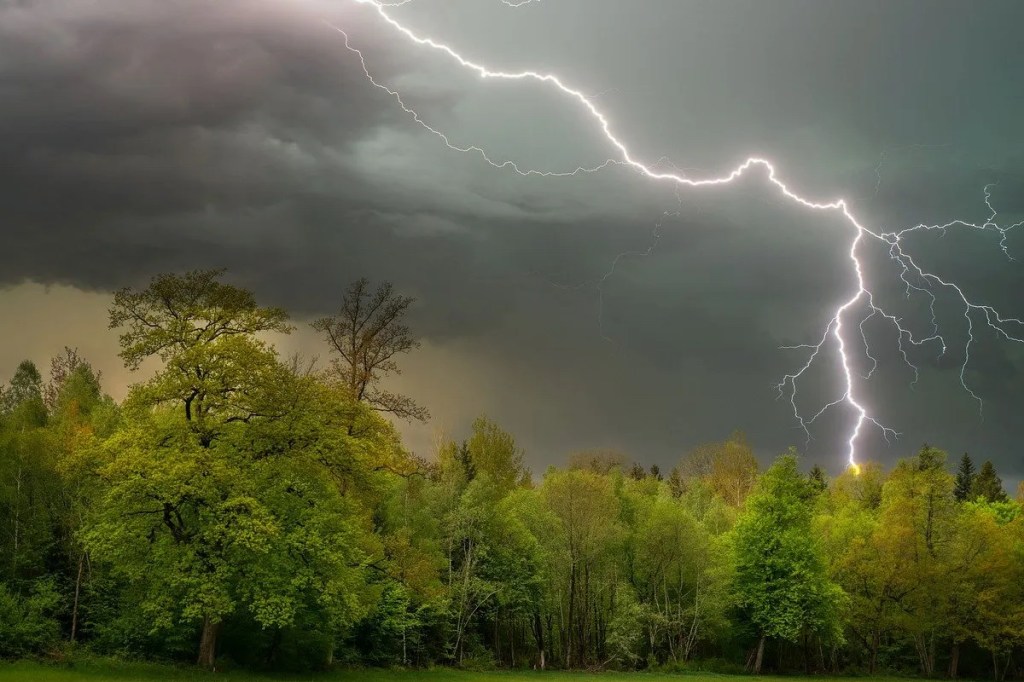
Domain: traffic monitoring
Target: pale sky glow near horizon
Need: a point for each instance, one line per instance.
(178, 135)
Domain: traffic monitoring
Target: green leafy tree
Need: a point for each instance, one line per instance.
(535, 525)
(728, 467)
(493, 451)
(216, 370)
(205, 531)
(62, 367)
(675, 483)
(80, 417)
(849, 527)
(917, 522)
(515, 566)
(680, 574)
(25, 390)
(982, 597)
(28, 625)
(413, 595)
(580, 546)
(781, 576)
(28, 482)
(223, 486)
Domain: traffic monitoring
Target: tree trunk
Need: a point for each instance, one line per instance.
(208, 643)
(551, 633)
(78, 586)
(925, 654)
(954, 660)
(497, 636)
(274, 648)
(760, 656)
(538, 636)
(17, 524)
(571, 625)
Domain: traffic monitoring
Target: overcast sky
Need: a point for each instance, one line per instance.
(164, 135)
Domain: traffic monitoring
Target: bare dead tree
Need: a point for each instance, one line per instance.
(366, 336)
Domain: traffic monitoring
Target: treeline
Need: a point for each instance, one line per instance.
(242, 507)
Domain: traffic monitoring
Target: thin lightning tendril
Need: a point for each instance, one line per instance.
(918, 281)
(655, 238)
(883, 157)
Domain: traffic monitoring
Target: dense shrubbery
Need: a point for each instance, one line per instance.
(27, 622)
(248, 509)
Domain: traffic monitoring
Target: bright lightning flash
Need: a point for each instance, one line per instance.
(853, 313)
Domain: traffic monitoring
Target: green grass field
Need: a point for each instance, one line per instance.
(103, 671)
(106, 671)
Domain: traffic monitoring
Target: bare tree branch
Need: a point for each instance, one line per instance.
(366, 335)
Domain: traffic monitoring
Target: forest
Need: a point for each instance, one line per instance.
(239, 507)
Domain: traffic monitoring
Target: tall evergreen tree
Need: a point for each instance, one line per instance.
(817, 478)
(988, 485)
(965, 475)
(466, 460)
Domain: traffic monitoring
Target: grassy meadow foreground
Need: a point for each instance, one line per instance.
(240, 510)
(114, 672)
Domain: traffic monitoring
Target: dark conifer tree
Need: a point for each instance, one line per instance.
(818, 479)
(637, 472)
(965, 475)
(988, 485)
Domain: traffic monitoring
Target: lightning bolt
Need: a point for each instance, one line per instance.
(854, 312)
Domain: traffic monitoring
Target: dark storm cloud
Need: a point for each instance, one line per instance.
(151, 136)
(129, 134)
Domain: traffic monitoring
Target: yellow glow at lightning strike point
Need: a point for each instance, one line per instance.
(855, 468)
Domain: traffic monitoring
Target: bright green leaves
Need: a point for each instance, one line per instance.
(176, 313)
(781, 577)
(233, 484)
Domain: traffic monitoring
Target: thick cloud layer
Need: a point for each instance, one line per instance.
(160, 135)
